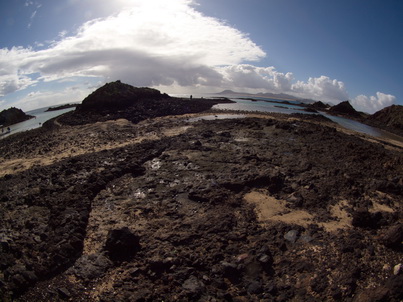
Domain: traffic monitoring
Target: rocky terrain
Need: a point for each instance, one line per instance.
(345, 109)
(61, 107)
(178, 208)
(389, 118)
(117, 100)
(12, 116)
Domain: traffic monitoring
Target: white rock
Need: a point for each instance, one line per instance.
(397, 269)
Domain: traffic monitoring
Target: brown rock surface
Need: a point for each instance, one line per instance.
(225, 210)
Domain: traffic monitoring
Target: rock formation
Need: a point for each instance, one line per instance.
(345, 109)
(389, 118)
(13, 116)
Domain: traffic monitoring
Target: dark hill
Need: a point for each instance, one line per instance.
(13, 116)
(117, 100)
(61, 107)
(389, 118)
(117, 95)
(319, 106)
(345, 109)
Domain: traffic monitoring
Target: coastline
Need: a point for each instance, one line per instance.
(170, 180)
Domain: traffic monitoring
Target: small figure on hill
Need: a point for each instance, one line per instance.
(191, 96)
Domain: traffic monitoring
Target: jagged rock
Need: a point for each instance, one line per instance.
(291, 236)
(393, 236)
(344, 108)
(193, 285)
(122, 244)
(389, 118)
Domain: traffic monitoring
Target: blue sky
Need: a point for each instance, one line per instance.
(59, 51)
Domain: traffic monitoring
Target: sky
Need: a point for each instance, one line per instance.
(55, 52)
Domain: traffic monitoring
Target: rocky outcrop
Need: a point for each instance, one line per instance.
(345, 109)
(389, 118)
(319, 106)
(118, 100)
(117, 96)
(13, 116)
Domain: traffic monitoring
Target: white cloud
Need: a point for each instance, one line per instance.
(154, 42)
(255, 78)
(322, 88)
(159, 43)
(39, 99)
(373, 104)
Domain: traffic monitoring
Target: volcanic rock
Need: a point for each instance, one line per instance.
(319, 106)
(117, 100)
(174, 210)
(122, 244)
(13, 116)
(389, 118)
(345, 109)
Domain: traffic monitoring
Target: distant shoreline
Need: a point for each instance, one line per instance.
(66, 106)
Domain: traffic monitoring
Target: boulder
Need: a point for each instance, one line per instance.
(122, 244)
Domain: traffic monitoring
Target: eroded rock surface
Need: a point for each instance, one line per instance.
(227, 210)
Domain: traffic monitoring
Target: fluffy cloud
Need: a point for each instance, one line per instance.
(373, 104)
(151, 43)
(255, 78)
(165, 44)
(39, 99)
(322, 88)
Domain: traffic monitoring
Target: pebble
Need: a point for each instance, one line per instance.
(397, 269)
(291, 236)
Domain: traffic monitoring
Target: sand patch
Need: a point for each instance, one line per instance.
(342, 217)
(269, 209)
(71, 141)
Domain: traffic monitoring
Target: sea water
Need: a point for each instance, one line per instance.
(261, 106)
(40, 116)
(271, 105)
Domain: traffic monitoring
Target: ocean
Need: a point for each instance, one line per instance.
(267, 105)
(261, 105)
(40, 116)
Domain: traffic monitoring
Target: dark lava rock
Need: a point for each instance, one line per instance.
(193, 285)
(344, 108)
(117, 100)
(390, 118)
(122, 244)
(319, 106)
(364, 219)
(13, 116)
(255, 287)
(393, 236)
(117, 95)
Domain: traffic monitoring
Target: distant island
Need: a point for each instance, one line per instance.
(13, 116)
(389, 118)
(279, 96)
(61, 107)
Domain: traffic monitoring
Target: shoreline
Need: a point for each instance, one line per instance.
(223, 207)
